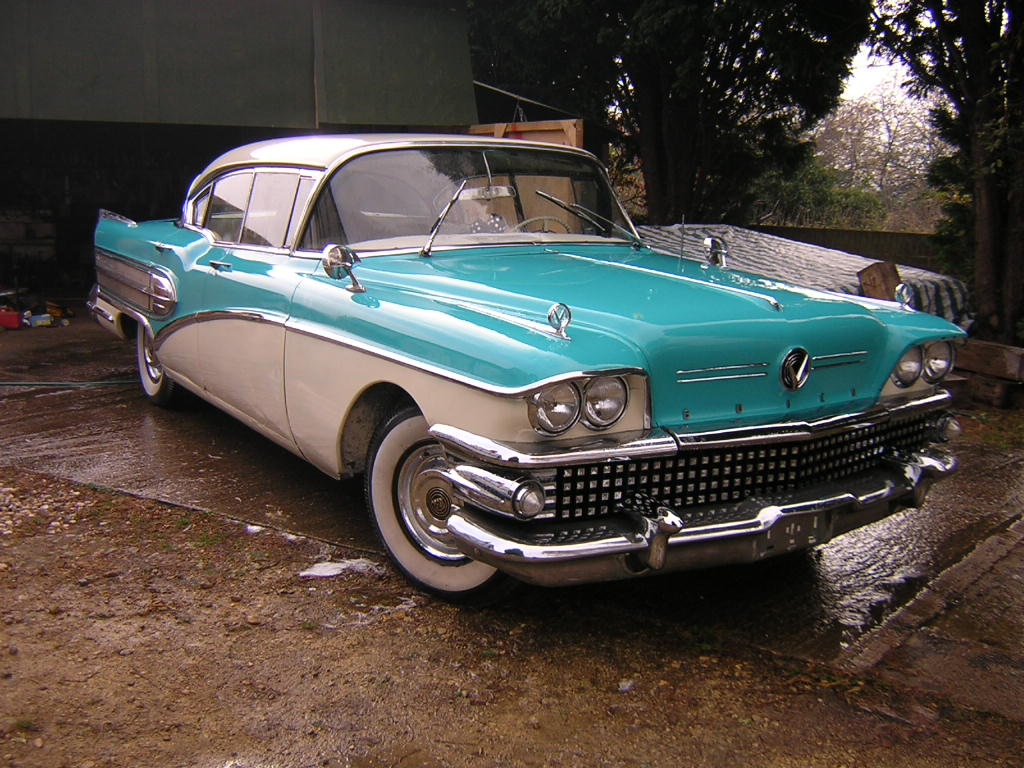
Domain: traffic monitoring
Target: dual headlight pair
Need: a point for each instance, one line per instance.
(930, 362)
(598, 402)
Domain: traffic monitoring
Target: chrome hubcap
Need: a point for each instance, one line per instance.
(152, 365)
(423, 506)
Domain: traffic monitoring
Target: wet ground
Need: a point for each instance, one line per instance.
(83, 425)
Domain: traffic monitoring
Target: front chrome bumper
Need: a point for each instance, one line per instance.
(567, 553)
(643, 536)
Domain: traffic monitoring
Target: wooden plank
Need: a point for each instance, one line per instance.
(879, 280)
(991, 359)
(989, 390)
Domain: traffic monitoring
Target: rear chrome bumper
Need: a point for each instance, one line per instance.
(559, 553)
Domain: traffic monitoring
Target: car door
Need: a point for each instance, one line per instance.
(251, 277)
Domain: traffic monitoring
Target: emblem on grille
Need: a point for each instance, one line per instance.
(559, 316)
(796, 367)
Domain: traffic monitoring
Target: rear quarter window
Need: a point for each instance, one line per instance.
(227, 206)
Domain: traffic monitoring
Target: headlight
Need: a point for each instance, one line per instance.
(938, 361)
(908, 369)
(554, 409)
(604, 401)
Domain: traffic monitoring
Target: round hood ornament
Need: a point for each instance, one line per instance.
(559, 317)
(795, 369)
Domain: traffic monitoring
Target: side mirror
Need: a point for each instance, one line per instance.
(340, 261)
(717, 251)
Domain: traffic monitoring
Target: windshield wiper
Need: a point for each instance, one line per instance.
(593, 219)
(425, 250)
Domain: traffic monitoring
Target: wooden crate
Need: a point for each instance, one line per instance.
(566, 132)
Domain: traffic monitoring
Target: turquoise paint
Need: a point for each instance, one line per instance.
(631, 308)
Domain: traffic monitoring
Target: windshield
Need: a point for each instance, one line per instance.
(393, 198)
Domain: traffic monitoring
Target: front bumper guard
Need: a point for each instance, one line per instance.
(649, 538)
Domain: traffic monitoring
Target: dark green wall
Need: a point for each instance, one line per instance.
(298, 64)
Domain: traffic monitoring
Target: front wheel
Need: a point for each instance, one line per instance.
(155, 383)
(415, 537)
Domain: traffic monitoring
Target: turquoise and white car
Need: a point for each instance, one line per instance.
(530, 391)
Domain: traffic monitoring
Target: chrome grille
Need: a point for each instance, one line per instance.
(697, 477)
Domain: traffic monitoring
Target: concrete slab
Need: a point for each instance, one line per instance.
(963, 637)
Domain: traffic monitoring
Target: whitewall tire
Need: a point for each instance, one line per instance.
(417, 541)
(158, 388)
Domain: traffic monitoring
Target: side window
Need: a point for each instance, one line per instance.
(227, 206)
(301, 196)
(324, 224)
(270, 209)
(199, 207)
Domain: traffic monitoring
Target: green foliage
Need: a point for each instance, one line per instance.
(811, 196)
(708, 96)
(954, 233)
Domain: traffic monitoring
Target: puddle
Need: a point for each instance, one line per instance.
(806, 605)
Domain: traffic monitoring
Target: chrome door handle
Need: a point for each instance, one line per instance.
(221, 266)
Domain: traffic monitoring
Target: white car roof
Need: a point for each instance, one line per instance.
(322, 152)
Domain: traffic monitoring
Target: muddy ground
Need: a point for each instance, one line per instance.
(135, 633)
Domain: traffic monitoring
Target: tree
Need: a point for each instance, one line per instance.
(971, 54)
(811, 195)
(708, 94)
(885, 142)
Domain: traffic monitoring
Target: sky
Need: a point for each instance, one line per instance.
(868, 73)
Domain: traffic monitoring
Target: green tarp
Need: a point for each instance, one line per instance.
(275, 63)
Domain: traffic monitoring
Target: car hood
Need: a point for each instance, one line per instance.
(712, 340)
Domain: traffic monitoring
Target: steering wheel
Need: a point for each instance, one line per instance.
(520, 227)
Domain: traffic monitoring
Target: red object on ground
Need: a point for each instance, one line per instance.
(10, 318)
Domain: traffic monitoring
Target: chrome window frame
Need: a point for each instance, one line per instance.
(299, 207)
(328, 173)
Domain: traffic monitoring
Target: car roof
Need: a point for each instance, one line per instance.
(322, 152)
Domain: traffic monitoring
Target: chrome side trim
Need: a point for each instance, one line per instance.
(203, 317)
(300, 327)
(318, 331)
(721, 370)
(722, 378)
(842, 358)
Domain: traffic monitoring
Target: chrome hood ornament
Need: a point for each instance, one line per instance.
(559, 316)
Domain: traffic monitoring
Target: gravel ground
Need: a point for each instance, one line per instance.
(134, 633)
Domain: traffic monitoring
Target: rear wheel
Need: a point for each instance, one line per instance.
(413, 530)
(159, 389)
